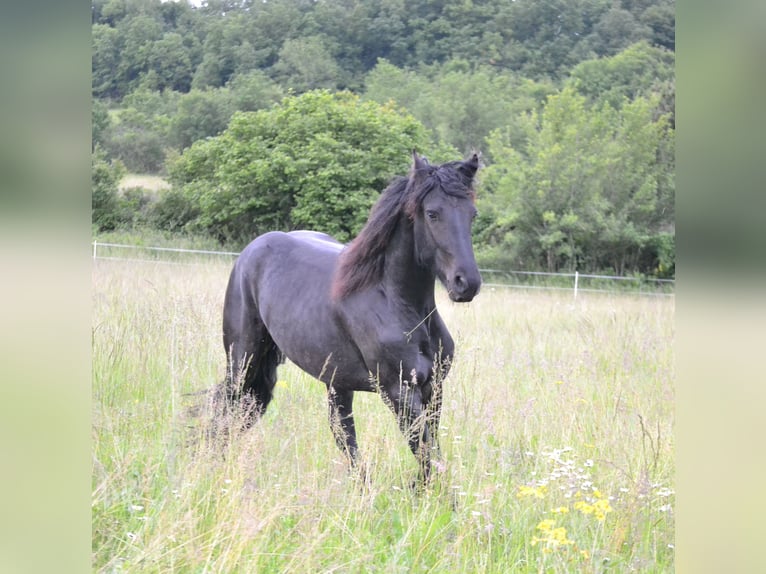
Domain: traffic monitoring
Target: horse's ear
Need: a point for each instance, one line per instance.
(420, 167)
(471, 165)
(418, 162)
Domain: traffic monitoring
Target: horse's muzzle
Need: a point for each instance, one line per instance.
(464, 286)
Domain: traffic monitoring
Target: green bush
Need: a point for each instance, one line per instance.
(133, 206)
(141, 150)
(173, 211)
(105, 178)
(315, 161)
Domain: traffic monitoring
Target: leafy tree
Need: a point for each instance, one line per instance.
(639, 70)
(110, 11)
(170, 60)
(616, 30)
(253, 91)
(139, 148)
(201, 114)
(346, 33)
(459, 105)
(592, 188)
(273, 23)
(546, 34)
(482, 31)
(227, 51)
(387, 35)
(138, 35)
(105, 58)
(100, 124)
(140, 135)
(316, 161)
(105, 177)
(661, 20)
(173, 211)
(307, 64)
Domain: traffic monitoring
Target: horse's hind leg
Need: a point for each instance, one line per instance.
(342, 421)
(251, 375)
(252, 356)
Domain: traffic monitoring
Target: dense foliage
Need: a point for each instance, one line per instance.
(589, 189)
(570, 101)
(105, 178)
(314, 161)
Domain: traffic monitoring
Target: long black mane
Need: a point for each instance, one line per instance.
(361, 263)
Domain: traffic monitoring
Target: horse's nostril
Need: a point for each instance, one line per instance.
(464, 286)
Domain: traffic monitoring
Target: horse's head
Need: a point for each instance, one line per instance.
(441, 207)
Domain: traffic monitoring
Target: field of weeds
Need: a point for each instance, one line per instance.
(557, 443)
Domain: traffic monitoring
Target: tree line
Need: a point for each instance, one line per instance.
(240, 104)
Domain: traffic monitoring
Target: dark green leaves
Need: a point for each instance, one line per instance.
(315, 161)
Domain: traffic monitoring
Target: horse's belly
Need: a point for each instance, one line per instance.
(332, 364)
(292, 279)
(305, 330)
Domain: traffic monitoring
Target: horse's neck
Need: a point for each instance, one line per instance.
(403, 275)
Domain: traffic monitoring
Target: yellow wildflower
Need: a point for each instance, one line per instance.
(583, 507)
(599, 509)
(559, 536)
(553, 536)
(531, 491)
(546, 525)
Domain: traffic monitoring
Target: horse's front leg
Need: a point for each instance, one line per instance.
(432, 403)
(435, 397)
(342, 421)
(406, 400)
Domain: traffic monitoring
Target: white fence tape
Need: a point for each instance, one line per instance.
(646, 286)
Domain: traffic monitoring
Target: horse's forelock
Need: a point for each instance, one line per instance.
(449, 177)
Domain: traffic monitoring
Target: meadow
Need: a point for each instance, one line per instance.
(557, 443)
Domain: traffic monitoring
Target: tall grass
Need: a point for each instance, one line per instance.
(557, 444)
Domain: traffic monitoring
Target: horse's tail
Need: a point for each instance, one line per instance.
(237, 402)
(252, 355)
(251, 377)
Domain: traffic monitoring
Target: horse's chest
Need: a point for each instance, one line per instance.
(412, 354)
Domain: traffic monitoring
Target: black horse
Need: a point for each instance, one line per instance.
(360, 317)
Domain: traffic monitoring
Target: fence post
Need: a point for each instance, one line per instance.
(577, 277)
(94, 249)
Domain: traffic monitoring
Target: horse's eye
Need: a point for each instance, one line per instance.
(432, 215)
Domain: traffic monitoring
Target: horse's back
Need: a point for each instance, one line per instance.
(317, 239)
(279, 259)
(279, 266)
